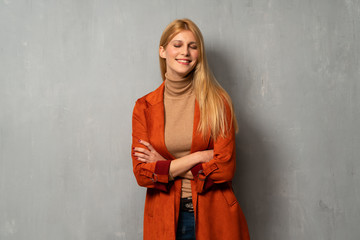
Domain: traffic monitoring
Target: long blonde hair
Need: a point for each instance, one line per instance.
(208, 92)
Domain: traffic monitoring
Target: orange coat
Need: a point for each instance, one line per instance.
(217, 213)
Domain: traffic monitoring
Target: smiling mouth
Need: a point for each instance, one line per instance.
(183, 61)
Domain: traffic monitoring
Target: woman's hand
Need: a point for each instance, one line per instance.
(206, 156)
(147, 155)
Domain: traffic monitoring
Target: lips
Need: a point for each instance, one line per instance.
(183, 61)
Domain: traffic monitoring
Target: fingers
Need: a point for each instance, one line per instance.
(148, 145)
(141, 155)
(142, 159)
(147, 155)
(142, 150)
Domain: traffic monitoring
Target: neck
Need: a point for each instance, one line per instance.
(177, 87)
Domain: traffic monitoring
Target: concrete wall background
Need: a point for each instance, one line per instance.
(70, 72)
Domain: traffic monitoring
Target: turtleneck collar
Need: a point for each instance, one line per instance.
(178, 87)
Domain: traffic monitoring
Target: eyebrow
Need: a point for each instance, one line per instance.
(183, 41)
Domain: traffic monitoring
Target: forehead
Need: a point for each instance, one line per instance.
(184, 36)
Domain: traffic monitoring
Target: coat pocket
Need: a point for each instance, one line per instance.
(228, 194)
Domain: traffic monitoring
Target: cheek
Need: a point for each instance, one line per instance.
(195, 55)
(171, 52)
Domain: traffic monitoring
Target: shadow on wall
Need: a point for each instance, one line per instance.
(254, 165)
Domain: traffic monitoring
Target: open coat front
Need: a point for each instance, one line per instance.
(218, 215)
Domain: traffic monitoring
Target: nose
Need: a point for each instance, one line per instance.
(185, 51)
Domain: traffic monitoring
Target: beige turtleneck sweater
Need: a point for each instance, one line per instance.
(179, 102)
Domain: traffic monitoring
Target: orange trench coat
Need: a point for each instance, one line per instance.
(217, 212)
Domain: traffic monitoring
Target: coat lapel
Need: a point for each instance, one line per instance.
(155, 119)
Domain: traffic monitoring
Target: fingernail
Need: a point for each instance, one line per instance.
(139, 140)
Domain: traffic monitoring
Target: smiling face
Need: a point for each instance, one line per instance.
(181, 54)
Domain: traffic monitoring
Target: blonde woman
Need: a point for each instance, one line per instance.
(184, 146)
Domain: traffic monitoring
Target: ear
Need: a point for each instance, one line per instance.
(162, 52)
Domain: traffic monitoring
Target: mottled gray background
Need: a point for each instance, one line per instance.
(71, 70)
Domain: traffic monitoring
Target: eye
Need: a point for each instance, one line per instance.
(193, 46)
(177, 44)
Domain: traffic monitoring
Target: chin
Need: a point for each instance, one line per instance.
(184, 73)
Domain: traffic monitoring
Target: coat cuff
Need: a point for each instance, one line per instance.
(160, 176)
(196, 169)
(204, 183)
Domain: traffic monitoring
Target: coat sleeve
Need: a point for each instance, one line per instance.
(151, 175)
(221, 167)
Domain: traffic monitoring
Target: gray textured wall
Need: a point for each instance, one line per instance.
(70, 72)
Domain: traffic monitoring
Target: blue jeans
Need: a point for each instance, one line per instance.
(186, 226)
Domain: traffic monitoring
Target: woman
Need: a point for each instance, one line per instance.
(184, 146)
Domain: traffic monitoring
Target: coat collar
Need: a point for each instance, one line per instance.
(156, 96)
(155, 117)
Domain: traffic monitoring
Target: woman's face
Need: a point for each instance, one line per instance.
(181, 54)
